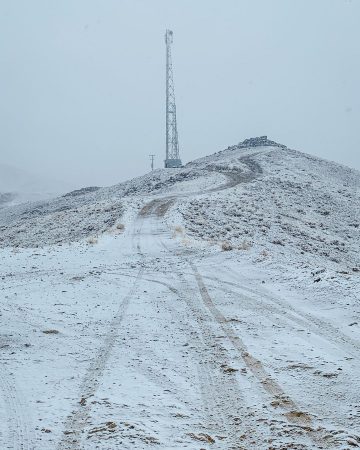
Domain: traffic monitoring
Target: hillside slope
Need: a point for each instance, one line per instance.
(296, 204)
(214, 306)
(273, 196)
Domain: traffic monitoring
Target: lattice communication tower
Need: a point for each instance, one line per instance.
(172, 141)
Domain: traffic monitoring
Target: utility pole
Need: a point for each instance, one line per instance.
(172, 142)
(152, 161)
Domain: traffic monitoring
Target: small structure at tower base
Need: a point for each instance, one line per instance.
(172, 163)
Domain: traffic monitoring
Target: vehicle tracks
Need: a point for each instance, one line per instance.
(292, 411)
(77, 420)
(18, 421)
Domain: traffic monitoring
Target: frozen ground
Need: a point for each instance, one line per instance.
(153, 335)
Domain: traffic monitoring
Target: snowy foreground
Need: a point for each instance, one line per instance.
(203, 309)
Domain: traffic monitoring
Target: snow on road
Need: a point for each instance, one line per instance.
(152, 337)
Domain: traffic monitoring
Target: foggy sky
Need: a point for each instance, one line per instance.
(83, 81)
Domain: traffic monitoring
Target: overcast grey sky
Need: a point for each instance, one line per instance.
(83, 81)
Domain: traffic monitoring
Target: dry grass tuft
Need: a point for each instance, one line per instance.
(203, 437)
(226, 246)
(178, 231)
(245, 245)
(263, 255)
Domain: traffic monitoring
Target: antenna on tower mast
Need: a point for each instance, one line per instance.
(172, 143)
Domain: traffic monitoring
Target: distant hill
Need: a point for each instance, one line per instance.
(19, 186)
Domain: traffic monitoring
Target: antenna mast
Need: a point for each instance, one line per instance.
(152, 161)
(172, 143)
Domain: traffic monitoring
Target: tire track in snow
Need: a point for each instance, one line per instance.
(17, 418)
(222, 398)
(221, 395)
(227, 418)
(303, 319)
(77, 420)
(217, 390)
(292, 412)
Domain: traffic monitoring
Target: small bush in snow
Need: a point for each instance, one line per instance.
(178, 229)
(245, 245)
(226, 246)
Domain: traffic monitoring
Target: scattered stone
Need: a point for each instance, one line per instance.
(227, 369)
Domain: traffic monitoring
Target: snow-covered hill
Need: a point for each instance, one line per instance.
(214, 306)
(279, 207)
(260, 194)
(294, 205)
(18, 186)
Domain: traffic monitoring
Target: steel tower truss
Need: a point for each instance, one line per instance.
(172, 141)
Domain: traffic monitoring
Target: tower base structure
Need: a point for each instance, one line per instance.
(173, 163)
